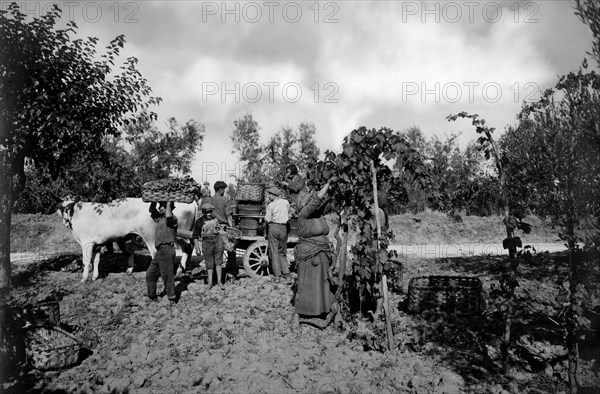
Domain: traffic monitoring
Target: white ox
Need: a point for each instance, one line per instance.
(95, 224)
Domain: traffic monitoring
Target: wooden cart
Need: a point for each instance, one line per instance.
(249, 218)
(253, 247)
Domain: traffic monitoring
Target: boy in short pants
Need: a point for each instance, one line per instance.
(207, 228)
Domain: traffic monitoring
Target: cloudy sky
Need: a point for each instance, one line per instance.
(338, 64)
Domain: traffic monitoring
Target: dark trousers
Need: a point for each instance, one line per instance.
(162, 265)
(231, 263)
(277, 240)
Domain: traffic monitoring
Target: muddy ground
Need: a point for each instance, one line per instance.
(240, 339)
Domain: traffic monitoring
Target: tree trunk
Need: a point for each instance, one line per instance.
(5, 216)
(510, 231)
(510, 274)
(377, 285)
(505, 346)
(572, 320)
(572, 314)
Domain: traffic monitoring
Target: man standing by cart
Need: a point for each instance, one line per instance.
(277, 216)
(223, 213)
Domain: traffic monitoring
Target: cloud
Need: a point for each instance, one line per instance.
(378, 63)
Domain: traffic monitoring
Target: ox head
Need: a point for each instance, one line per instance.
(65, 210)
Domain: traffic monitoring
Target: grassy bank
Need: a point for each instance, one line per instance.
(40, 233)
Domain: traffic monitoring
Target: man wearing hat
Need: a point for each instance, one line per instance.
(223, 213)
(277, 215)
(207, 228)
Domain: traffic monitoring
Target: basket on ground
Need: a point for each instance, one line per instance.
(250, 192)
(453, 294)
(51, 348)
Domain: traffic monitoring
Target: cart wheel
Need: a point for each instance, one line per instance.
(256, 261)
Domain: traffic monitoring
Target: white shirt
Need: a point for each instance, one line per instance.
(278, 211)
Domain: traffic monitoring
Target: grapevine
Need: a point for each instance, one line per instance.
(185, 185)
(353, 195)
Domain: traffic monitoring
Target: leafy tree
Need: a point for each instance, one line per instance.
(246, 142)
(141, 154)
(308, 152)
(157, 155)
(483, 196)
(530, 178)
(456, 177)
(564, 122)
(508, 281)
(288, 151)
(564, 155)
(444, 161)
(412, 197)
(491, 150)
(56, 101)
(266, 163)
(589, 13)
(272, 159)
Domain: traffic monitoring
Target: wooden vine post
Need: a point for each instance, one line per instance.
(383, 283)
(344, 252)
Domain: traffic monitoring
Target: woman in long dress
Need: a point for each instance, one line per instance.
(313, 257)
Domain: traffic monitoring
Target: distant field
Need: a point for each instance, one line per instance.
(46, 233)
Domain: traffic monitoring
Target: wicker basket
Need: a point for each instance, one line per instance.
(37, 315)
(250, 192)
(161, 195)
(51, 348)
(233, 233)
(453, 294)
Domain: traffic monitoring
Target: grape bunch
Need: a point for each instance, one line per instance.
(185, 185)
